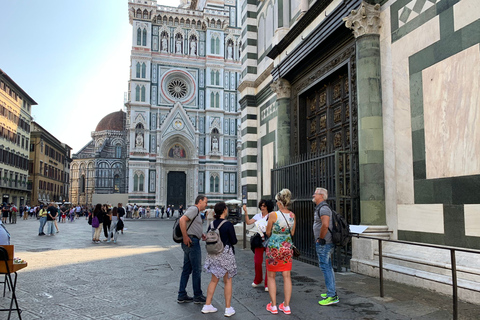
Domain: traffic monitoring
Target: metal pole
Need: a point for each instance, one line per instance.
(244, 232)
(454, 284)
(380, 265)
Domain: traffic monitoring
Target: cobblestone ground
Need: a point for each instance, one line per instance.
(69, 277)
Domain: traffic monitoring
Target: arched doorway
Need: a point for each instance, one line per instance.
(176, 188)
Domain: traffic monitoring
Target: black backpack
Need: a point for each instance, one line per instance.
(340, 228)
(177, 232)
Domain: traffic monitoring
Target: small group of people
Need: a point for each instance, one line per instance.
(278, 228)
(9, 211)
(108, 219)
(48, 216)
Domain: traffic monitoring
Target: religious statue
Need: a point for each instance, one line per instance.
(139, 140)
(214, 144)
(164, 44)
(179, 45)
(230, 51)
(193, 47)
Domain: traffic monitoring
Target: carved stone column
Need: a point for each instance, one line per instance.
(365, 23)
(283, 90)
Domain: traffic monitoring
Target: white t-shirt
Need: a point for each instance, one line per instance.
(260, 222)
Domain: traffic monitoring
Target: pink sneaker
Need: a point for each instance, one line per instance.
(285, 310)
(272, 309)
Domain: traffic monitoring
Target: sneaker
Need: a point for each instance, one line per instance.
(229, 312)
(272, 309)
(108, 241)
(285, 310)
(266, 289)
(184, 299)
(328, 301)
(323, 295)
(97, 242)
(255, 285)
(208, 308)
(114, 241)
(199, 300)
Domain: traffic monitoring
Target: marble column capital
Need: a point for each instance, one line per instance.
(282, 88)
(364, 20)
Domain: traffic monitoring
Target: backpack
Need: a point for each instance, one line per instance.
(95, 222)
(177, 232)
(214, 244)
(340, 228)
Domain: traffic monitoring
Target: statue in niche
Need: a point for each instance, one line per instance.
(193, 47)
(230, 51)
(139, 140)
(214, 144)
(164, 44)
(179, 45)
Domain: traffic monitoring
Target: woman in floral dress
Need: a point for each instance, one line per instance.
(280, 229)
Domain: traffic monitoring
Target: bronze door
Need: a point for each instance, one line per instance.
(176, 188)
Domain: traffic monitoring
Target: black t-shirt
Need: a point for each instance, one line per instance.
(121, 212)
(99, 215)
(53, 212)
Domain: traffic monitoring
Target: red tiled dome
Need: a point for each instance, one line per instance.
(113, 121)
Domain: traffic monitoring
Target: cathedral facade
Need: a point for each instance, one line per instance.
(182, 111)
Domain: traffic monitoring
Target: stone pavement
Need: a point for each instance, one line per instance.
(69, 277)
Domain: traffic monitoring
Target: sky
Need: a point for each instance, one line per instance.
(71, 57)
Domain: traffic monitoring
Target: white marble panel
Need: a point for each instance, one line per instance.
(421, 218)
(263, 130)
(451, 115)
(401, 51)
(272, 125)
(472, 220)
(267, 166)
(464, 13)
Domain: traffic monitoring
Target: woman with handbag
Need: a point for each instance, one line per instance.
(97, 222)
(265, 206)
(280, 229)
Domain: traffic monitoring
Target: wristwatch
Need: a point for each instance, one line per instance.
(321, 241)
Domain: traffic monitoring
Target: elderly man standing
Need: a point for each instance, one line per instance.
(192, 231)
(323, 244)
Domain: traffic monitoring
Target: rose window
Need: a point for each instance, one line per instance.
(177, 88)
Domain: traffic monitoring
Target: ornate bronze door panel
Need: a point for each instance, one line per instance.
(176, 188)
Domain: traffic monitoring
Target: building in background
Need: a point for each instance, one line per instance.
(183, 114)
(377, 101)
(15, 119)
(100, 166)
(49, 167)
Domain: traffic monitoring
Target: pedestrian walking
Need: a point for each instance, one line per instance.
(97, 213)
(13, 213)
(157, 212)
(121, 215)
(113, 232)
(323, 244)
(106, 221)
(260, 220)
(42, 214)
(58, 213)
(192, 253)
(4, 213)
(222, 265)
(52, 213)
(64, 214)
(280, 229)
(162, 210)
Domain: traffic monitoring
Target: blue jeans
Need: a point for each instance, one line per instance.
(324, 253)
(192, 264)
(50, 227)
(43, 220)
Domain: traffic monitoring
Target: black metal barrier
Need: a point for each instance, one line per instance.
(452, 257)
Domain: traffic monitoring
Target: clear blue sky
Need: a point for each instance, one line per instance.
(71, 57)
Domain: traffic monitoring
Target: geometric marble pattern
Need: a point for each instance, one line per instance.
(412, 9)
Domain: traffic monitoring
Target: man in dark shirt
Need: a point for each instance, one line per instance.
(121, 213)
(52, 213)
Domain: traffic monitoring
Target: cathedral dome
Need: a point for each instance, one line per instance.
(113, 121)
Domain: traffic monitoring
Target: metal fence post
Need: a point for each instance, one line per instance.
(380, 265)
(454, 284)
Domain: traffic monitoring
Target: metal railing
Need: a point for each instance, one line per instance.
(452, 259)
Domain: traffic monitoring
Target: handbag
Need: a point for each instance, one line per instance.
(119, 225)
(256, 241)
(95, 222)
(295, 251)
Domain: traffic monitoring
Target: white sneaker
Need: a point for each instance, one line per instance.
(229, 312)
(266, 289)
(255, 285)
(208, 308)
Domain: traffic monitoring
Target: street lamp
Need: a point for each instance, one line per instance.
(34, 173)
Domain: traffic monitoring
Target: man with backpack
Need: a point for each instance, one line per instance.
(324, 246)
(192, 232)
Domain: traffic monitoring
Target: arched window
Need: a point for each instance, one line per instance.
(143, 94)
(217, 100)
(217, 184)
(212, 100)
(144, 70)
(118, 151)
(135, 182)
(139, 37)
(212, 45)
(141, 181)
(144, 38)
(217, 78)
(217, 46)
(137, 93)
(82, 184)
(212, 183)
(116, 184)
(138, 70)
(212, 77)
